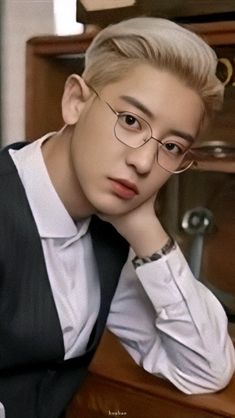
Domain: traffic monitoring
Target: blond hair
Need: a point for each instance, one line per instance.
(160, 43)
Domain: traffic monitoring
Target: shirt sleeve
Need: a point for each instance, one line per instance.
(172, 325)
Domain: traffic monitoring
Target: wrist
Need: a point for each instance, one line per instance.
(156, 255)
(147, 239)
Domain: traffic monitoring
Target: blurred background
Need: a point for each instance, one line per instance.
(21, 20)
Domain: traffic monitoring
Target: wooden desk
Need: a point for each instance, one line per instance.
(117, 387)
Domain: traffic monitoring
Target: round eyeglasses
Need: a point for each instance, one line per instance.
(132, 130)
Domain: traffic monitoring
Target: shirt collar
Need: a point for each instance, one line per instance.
(51, 216)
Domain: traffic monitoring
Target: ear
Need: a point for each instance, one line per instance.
(76, 93)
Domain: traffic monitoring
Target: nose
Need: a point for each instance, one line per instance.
(144, 158)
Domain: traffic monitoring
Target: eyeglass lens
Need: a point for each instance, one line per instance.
(134, 132)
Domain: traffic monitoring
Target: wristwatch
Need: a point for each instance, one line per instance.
(166, 249)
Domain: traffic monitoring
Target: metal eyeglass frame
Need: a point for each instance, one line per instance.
(118, 114)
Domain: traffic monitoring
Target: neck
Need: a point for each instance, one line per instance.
(56, 154)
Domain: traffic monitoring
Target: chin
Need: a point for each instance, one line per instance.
(113, 209)
(111, 205)
(109, 211)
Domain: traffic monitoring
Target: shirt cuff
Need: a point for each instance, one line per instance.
(162, 279)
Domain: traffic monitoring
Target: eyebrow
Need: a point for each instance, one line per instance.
(138, 105)
(135, 102)
(183, 135)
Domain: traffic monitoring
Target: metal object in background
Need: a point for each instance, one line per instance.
(198, 222)
(215, 150)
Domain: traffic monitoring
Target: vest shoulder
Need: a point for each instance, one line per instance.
(6, 162)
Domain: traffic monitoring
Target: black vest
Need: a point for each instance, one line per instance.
(35, 381)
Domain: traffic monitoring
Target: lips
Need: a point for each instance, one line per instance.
(124, 188)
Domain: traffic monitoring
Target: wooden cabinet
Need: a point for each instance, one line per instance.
(103, 12)
(49, 61)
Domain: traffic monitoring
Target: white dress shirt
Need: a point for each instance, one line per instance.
(2, 411)
(169, 322)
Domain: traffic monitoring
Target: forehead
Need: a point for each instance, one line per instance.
(146, 80)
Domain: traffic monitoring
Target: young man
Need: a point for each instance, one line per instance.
(73, 203)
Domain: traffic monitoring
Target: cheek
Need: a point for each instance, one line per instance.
(158, 177)
(92, 155)
(154, 183)
(95, 139)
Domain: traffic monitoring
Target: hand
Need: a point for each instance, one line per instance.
(141, 228)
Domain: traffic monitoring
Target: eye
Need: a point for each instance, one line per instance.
(129, 121)
(174, 148)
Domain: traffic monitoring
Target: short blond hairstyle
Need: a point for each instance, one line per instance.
(160, 43)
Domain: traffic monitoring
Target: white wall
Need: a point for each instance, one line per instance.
(21, 20)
